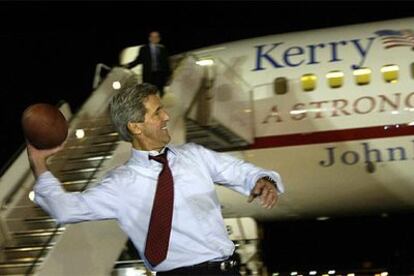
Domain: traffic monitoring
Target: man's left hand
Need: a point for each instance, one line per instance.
(267, 192)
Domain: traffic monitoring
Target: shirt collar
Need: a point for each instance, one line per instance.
(142, 156)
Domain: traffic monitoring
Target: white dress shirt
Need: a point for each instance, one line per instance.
(126, 194)
(154, 57)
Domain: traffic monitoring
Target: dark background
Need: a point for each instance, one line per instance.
(49, 51)
(364, 245)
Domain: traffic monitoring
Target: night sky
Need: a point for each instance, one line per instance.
(49, 50)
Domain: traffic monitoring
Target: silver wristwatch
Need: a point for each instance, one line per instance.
(268, 178)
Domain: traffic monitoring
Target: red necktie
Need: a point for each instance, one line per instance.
(159, 228)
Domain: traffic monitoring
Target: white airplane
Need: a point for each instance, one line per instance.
(332, 110)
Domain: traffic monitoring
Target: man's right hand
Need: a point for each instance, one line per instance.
(38, 157)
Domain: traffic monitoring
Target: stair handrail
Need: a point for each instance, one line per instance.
(97, 77)
(197, 95)
(205, 83)
(210, 82)
(216, 58)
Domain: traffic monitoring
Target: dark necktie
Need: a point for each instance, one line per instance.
(159, 228)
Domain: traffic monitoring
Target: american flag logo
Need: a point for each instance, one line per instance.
(394, 38)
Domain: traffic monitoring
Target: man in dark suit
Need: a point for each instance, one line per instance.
(154, 59)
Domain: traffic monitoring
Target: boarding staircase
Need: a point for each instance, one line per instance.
(33, 232)
(28, 233)
(208, 105)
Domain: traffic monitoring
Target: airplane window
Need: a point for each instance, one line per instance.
(335, 79)
(308, 82)
(390, 73)
(362, 76)
(280, 86)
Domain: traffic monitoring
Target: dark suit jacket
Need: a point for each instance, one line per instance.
(144, 58)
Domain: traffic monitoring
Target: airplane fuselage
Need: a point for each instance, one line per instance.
(332, 110)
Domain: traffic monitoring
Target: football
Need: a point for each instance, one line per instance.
(44, 126)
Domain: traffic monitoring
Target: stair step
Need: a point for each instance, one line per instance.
(22, 224)
(72, 158)
(28, 237)
(129, 263)
(40, 219)
(78, 174)
(17, 252)
(74, 188)
(83, 151)
(73, 178)
(107, 136)
(30, 245)
(19, 242)
(95, 144)
(79, 181)
(214, 136)
(25, 248)
(90, 160)
(101, 128)
(31, 211)
(77, 185)
(17, 269)
(57, 166)
(80, 170)
(40, 232)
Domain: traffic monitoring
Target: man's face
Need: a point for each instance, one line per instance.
(154, 37)
(154, 132)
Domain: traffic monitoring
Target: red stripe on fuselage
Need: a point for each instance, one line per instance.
(332, 136)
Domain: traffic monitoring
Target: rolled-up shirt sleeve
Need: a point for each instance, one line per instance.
(97, 203)
(236, 174)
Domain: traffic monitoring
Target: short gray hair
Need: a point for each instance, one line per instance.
(128, 106)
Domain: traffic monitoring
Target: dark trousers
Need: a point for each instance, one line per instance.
(158, 79)
(205, 269)
(196, 272)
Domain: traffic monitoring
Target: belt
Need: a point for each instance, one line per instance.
(218, 266)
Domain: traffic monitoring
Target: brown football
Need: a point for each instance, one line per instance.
(44, 126)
